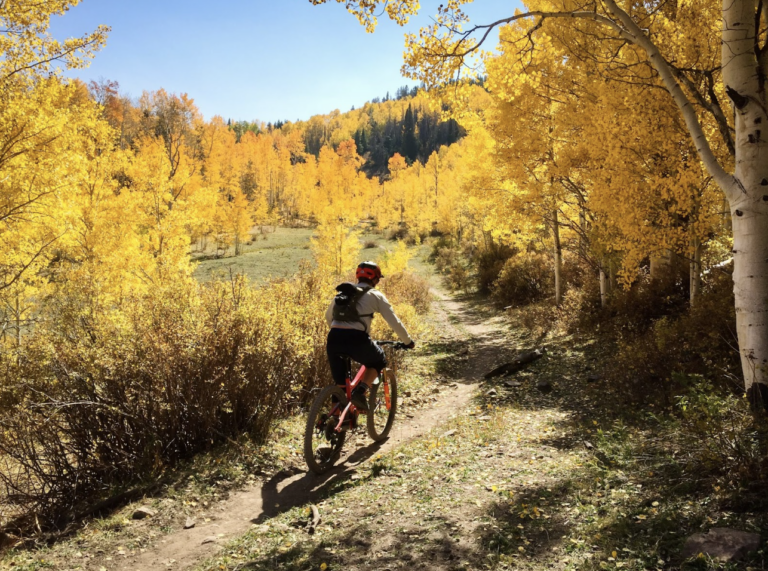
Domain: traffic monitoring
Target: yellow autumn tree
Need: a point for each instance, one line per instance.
(336, 245)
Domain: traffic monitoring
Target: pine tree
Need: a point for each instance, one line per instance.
(410, 146)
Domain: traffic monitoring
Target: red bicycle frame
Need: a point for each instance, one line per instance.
(350, 385)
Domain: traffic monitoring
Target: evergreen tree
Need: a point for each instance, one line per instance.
(363, 142)
(410, 146)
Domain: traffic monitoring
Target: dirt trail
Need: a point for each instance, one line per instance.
(455, 321)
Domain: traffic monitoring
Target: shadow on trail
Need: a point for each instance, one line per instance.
(363, 549)
(285, 491)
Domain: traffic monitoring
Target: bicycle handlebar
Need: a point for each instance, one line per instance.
(395, 344)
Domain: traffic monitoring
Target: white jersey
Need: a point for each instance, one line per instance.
(372, 301)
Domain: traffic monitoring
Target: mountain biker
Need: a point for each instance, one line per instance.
(351, 339)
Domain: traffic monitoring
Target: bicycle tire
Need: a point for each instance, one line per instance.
(379, 419)
(320, 462)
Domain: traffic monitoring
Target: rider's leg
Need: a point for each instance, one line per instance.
(369, 376)
(335, 347)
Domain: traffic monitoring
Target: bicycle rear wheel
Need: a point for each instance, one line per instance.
(322, 444)
(382, 406)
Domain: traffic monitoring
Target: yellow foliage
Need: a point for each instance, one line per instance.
(335, 246)
(396, 261)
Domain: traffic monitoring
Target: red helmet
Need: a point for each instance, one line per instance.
(368, 271)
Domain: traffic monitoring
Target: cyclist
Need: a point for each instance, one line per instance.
(351, 339)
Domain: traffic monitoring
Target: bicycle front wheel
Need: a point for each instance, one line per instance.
(382, 406)
(322, 444)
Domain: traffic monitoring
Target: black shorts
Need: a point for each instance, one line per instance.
(356, 345)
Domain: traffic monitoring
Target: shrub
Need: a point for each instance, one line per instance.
(408, 235)
(104, 395)
(524, 279)
(490, 263)
(370, 244)
(409, 289)
(721, 437)
(437, 245)
(659, 335)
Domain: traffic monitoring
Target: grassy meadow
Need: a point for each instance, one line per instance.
(272, 254)
(277, 253)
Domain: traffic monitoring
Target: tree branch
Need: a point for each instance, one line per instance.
(581, 15)
(25, 267)
(713, 105)
(726, 181)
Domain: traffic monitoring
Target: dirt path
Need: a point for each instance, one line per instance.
(477, 342)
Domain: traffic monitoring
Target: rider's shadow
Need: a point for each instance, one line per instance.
(285, 491)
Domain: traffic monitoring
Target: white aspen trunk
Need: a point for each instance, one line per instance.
(744, 77)
(603, 287)
(695, 269)
(558, 259)
(18, 325)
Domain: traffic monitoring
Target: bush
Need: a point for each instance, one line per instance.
(450, 263)
(395, 261)
(524, 279)
(407, 235)
(720, 435)
(659, 335)
(105, 395)
(409, 289)
(490, 263)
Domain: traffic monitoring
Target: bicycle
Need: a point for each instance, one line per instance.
(332, 415)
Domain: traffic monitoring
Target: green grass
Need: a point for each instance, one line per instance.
(271, 255)
(278, 253)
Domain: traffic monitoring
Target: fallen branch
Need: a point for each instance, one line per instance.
(519, 362)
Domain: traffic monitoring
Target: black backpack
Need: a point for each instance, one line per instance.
(345, 306)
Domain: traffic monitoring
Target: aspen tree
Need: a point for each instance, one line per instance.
(440, 51)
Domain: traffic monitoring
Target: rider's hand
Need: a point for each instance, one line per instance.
(411, 345)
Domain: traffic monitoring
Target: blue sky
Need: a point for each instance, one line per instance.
(251, 59)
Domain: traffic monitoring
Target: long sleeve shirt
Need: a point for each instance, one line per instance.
(372, 301)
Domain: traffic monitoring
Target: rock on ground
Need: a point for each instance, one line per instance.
(721, 543)
(143, 512)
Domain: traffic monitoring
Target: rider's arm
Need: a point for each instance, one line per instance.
(329, 313)
(386, 311)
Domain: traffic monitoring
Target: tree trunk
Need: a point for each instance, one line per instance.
(750, 263)
(611, 277)
(558, 258)
(18, 325)
(603, 288)
(744, 75)
(660, 263)
(695, 265)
